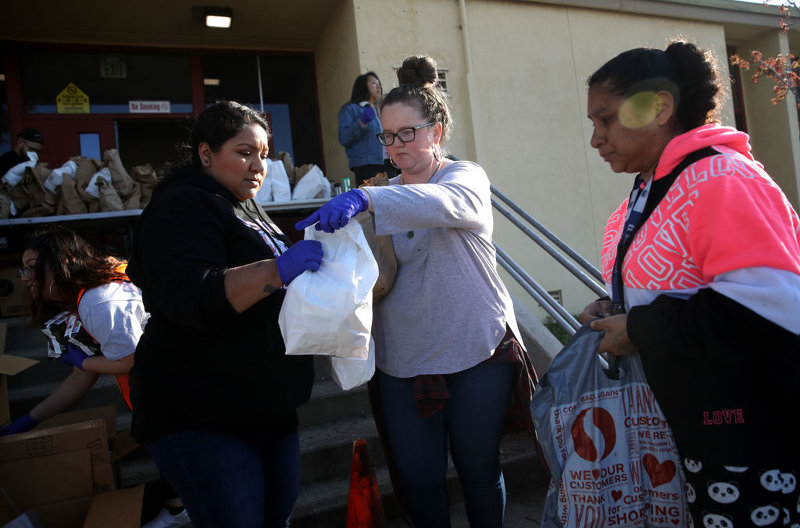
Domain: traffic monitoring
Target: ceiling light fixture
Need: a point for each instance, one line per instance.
(213, 17)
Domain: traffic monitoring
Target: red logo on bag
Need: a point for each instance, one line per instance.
(659, 472)
(584, 442)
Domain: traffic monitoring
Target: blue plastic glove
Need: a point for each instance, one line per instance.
(304, 255)
(367, 115)
(20, 425)
(337, 212)
(73, 356)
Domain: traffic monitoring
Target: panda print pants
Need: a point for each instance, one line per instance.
(735, 497)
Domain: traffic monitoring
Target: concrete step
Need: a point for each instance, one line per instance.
(329, 424)
(323, 503)
(330, 403)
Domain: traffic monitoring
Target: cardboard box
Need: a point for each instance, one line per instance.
(12, 289)
(116, 509)
(56, 472)
(9, 366)
(107, 413)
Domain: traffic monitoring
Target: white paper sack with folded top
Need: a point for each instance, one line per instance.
(329, 312)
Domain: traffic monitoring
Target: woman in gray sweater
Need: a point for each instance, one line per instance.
(446, 356)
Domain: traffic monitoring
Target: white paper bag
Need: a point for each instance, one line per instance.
(56, 177)
(276, 187)
(264, 194)
(349, 373)
(91, 188)
(311, 184)
(15, 173)
(279, 181)
(329, 312)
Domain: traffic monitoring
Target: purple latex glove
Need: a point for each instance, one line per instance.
(367, 115)
(20, 425)
(304, 255)
(337, 212)
(73, 356)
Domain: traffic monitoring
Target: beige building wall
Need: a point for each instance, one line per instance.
(390, 31)
(337, 63)
(530, 64)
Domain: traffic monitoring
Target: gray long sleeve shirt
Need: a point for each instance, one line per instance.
(448, 308)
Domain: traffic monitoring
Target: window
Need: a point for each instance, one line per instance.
(441, 82)
(109, 79)
(287, 89)
(441, 78)
(556, 295)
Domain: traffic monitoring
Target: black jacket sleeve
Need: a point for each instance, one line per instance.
(180, 258)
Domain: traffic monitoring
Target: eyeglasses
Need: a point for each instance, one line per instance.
(25, 272)
(406, 135)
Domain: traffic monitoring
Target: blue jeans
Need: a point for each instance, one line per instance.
(236, 481)
(472, 420)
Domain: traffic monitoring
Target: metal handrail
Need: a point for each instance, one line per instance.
(562, 317)
(539, 294)
(585, 279)
(549, 234)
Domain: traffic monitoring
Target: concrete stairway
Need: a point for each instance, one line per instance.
(329, 425)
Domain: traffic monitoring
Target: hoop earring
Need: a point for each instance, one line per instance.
(50, 289)
(393, 164)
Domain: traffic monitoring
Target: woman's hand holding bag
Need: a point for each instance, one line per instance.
(303, 256)
(337, 212)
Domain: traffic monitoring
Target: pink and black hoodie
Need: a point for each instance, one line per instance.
(712, 289)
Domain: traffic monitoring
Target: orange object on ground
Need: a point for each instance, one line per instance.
(364, 506)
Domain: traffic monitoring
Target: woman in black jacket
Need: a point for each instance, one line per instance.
(214, 396)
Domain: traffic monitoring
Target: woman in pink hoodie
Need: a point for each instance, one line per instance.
(702, 264)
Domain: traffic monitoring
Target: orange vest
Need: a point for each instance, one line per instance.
(122, 379)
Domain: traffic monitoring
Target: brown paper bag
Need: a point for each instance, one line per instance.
(109, 198)
(40, 201)
(20, 197)
(70, 202)
(5, 205)
(381, 246)
(120, 178)
(86, 169)
(301, 171)
(146, 177)
(383, 251)
(40, 194)
(286, 159)
(134, 199)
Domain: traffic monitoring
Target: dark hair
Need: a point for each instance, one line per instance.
(75, 265)
(688, 73)
(417, 77)
(361, 87)
(218, 123)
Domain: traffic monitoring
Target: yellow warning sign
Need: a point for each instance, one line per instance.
(71, 100)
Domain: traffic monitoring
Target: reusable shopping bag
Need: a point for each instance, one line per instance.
(329, 312)
(606, 442)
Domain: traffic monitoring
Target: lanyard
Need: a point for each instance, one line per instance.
(650, 196)
(633, 221)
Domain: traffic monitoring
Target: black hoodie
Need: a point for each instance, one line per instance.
(199, 365)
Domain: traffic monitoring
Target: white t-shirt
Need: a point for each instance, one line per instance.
(114, 315)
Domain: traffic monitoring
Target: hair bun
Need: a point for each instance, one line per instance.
(419, 71)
